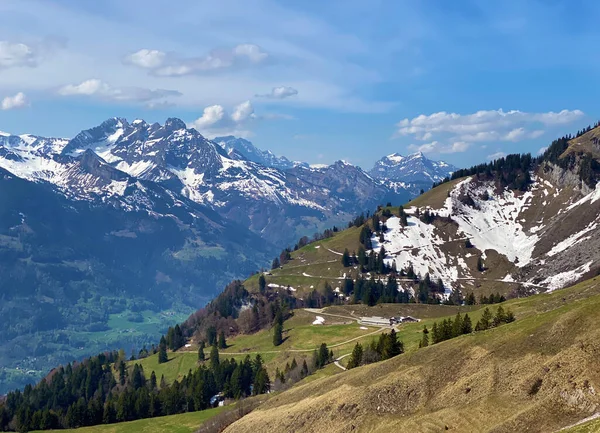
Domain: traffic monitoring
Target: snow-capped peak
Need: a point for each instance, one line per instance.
(412, 168)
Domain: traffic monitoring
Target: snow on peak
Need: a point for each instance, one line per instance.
(4, 134)
(395, 157)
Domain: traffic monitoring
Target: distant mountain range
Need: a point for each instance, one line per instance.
(147, 222)
(276, 198)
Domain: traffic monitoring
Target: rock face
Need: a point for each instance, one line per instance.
(239, 148)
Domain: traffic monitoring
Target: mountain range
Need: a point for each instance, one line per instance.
(131, 221)
(277, 199)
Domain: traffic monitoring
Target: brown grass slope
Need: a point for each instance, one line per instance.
(538, 374)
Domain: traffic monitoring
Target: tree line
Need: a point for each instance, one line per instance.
(385, 347)
(462, 325)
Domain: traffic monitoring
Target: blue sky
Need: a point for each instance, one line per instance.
(462, 81)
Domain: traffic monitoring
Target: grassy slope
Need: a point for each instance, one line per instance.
(480, 382)
(183, 423)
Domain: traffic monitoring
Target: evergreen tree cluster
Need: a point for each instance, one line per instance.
(88, 394)
(371, 292)
(511, 171)
(492, 299)
(462, 325)
(447, 329)
(385, 347)
(488, 320)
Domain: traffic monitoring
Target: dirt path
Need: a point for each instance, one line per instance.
(337, 361)
(583, 421)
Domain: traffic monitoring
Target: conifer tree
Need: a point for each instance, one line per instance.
(457, 325)
(214, 359)
(162, 351)
(486, 320)
(425, 339)
(277, 333)
(436, 335)
(304, 371)
(346, 258)
(222, 341)
(467, 326)
(356, 357)
(262, 284)
(201, 355)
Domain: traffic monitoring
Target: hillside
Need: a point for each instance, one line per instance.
(536, 374)
(75, 275)
(504, 229)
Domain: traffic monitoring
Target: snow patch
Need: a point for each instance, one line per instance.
(319, 320)
(563, 279)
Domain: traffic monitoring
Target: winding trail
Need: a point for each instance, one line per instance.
(337, 361)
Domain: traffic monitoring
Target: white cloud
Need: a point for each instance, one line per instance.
(281, 92)
(148, 59)
(437, 147)
(173, 65)
(216, 120)
(102, 90)
(496, 155)
(251, 52)
(12, 102)
(542, 150)
(16, 54)
(452, 132)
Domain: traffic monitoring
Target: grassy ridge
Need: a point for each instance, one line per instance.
(536, 374)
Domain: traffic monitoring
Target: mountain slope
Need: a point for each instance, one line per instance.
(516, 226)
(78, 273)
(537, 374)
(244, 148)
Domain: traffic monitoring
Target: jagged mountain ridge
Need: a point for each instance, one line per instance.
(281, 205)
(415, 168)
(240, 148)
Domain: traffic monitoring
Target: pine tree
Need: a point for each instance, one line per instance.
(486, 320)
(222, 341)
(201, 355)
(470, 300)
(304, 371)
(396, 347)
(467, 326)
(346, 258)
(277, 333)
(153, 380)
(214, 359)
(457, 325)
(435, 334)
(162, 351)
(356, 357)
(262, 284)
(425, 339)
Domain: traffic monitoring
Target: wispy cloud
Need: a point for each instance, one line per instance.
(13, 102)
(454, 131)
(174, 65)
(99, 89)
(281, 92)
